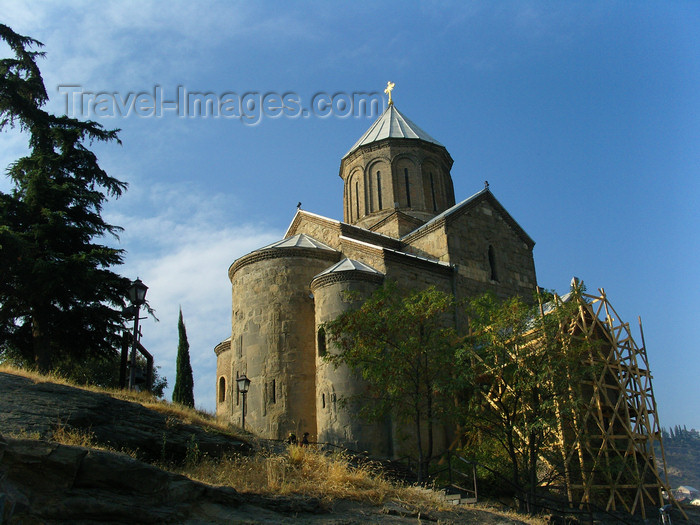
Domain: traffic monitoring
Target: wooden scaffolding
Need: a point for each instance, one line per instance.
(612, 448)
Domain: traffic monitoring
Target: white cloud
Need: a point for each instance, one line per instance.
(132, 45)
(194, 276)
(182, 253)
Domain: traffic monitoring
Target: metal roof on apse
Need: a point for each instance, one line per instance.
(392, 124)
(300, 240)
(347, 265)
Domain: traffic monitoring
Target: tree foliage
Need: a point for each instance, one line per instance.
(104, 372)
(58, 296)
(508, 387)
(518, 368)
(183, 392)
(402, 345)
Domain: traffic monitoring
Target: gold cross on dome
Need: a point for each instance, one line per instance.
(389, 88)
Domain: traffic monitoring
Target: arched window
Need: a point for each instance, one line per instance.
(432, 191)
(272, 397)
(408, 187)
(238, 392)
(357, 200)
(492, 263)
(379, 189)
(321, 342)
(222, 389)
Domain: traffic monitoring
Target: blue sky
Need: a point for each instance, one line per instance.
(583, 116)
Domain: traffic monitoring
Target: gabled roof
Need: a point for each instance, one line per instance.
(300, 240)
(392, 124)
(288, 246)
(455, 210)
(342, 228)
(400, 255)
(347, 265)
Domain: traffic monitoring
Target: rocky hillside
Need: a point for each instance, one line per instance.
(682, 449)
(43, 481)
(38, 409)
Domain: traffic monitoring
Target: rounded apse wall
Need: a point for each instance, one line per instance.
(335, 423)
(273, 338)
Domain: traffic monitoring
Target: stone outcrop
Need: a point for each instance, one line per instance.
(44, 482)
(35, 409)
(52, 484)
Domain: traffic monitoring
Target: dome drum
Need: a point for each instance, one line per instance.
(409, 175)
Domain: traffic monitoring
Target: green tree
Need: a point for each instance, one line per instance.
(183, 392)
(517, 368)
(58, 296)
(403, 346)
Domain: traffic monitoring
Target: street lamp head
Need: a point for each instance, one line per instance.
(137, 292)
(243, 384)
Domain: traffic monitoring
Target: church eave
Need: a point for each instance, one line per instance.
(222, 347)
(460, 208)
(341, 229)
(363, 234)
(396, 213)
(404, 257)
(279, 253)
(318, 219)
(417, 260)
(437, 149)
(351, 275)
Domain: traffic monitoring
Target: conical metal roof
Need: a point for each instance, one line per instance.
(299, 240)
(392, 124)
(347, 265)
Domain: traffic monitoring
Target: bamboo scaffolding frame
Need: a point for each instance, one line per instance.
(608, 449)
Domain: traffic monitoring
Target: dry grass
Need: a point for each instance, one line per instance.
(84, 438)
(305, 471)
(35, 376)
(72, 436)
(511, 514)
(23, 434)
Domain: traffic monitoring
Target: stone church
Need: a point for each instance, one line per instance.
(400, 223)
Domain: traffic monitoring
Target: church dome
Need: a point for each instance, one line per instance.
(346, 270)
(396, 177)
(392, 124)
(300, 246)
(348, 265)
(300, 240)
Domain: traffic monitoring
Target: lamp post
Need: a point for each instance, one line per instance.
(243, 383)
(137, 296)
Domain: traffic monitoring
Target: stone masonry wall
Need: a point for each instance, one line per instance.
(338, 424)
(432, 245)
(273, 342)
(469, 238)
(223, 370)
(393, 159)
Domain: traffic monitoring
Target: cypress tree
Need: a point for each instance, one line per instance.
(183, 392)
